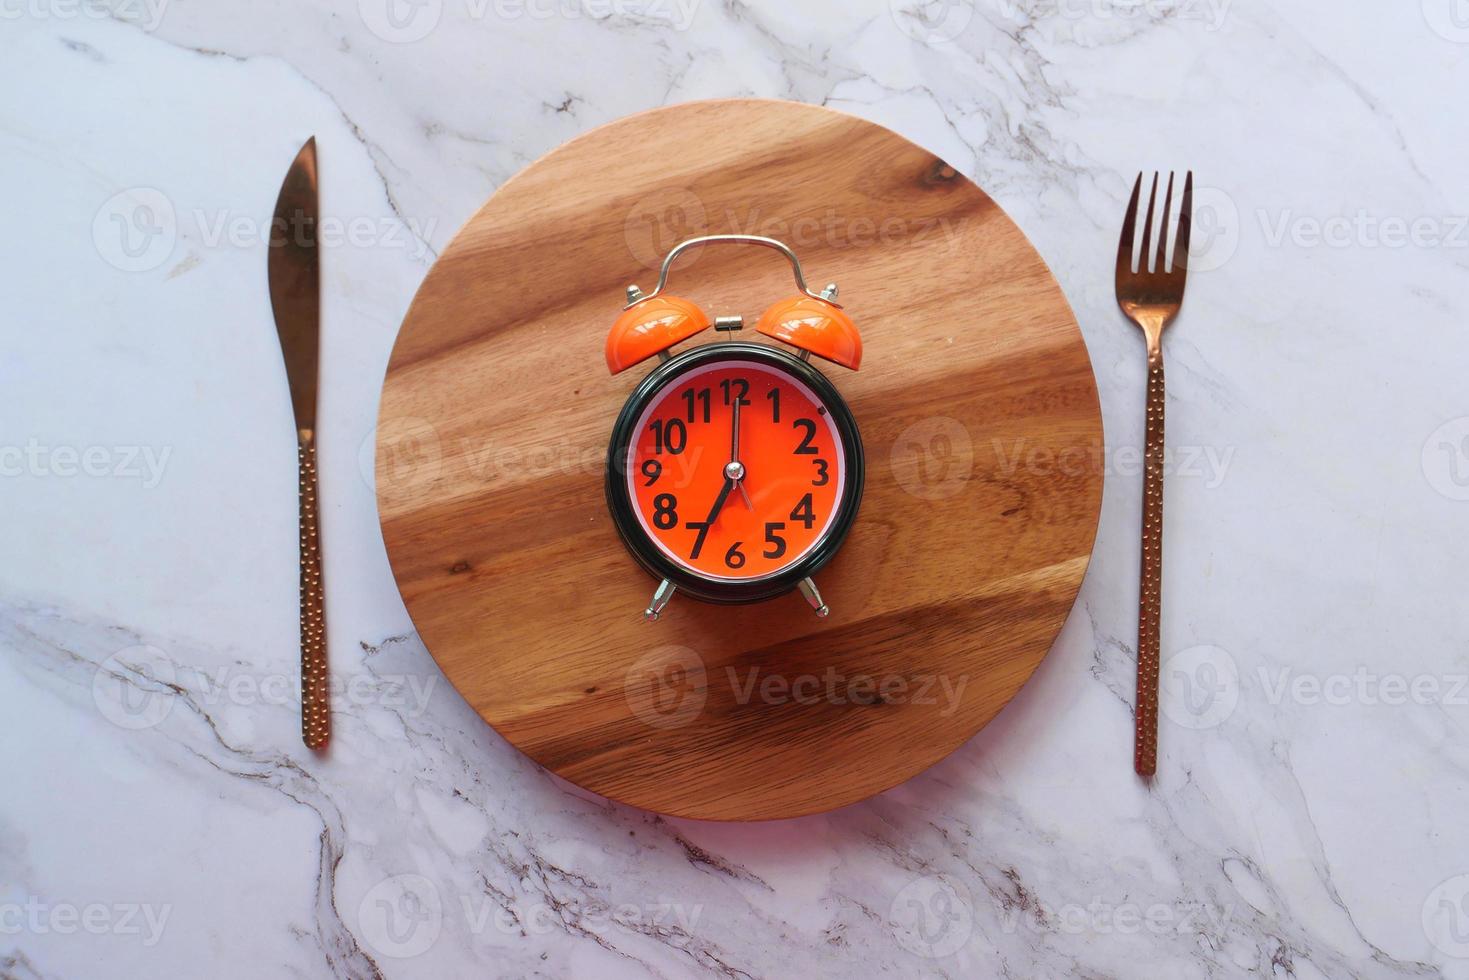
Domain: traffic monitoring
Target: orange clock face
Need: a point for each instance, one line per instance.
(736, 470)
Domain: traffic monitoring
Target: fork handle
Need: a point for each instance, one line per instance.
(1145, 755)
(316, 719)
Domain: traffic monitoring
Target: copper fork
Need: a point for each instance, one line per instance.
(1151, 296)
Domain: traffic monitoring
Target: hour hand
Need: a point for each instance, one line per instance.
(704, 525)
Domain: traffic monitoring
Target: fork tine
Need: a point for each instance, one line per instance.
(1142, 256)
(1162, 264)
(1185, 219)
(1129, 223)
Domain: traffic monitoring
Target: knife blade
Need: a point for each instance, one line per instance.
(294, 271)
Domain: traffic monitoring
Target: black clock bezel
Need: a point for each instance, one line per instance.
(650, 556)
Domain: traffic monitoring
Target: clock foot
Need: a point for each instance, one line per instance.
(813, 596)
(662, 596)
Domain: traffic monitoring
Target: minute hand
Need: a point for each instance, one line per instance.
(736, 470)
(734, 437)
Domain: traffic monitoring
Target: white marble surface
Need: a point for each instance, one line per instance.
(159, 816)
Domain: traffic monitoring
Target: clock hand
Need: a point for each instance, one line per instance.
(704, 525)
(734, 434)
(719, 501)
(736, 470)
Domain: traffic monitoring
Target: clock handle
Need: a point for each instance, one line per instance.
(779, 246)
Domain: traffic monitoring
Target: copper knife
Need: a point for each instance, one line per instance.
(295, 295)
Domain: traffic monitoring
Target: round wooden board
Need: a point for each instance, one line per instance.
(978, 412)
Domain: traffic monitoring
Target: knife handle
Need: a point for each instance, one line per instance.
(1145, 752)
(316, 719)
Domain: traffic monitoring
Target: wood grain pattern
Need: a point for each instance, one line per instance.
(978, 412)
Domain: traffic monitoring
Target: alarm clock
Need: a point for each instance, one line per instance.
(735, 467)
